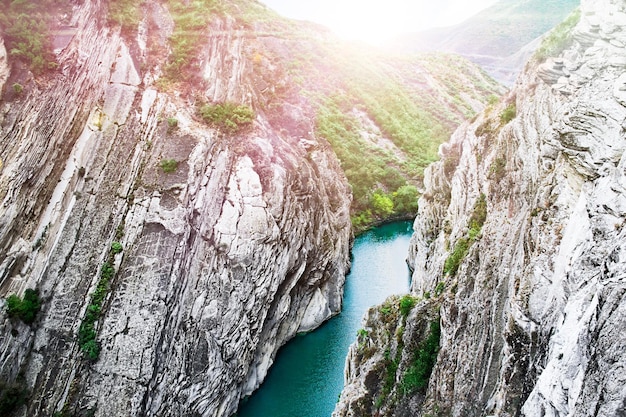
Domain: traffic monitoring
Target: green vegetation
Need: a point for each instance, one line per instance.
(451, 266)
(116, 247)
(417, 375)
(18, 88)
(439, 288)
(478, 217)
(497, 169)
(462, 246)
(380, 186)
(559, 38)
(26, 308)
(87, 332)
(508, 114)
(12, 396)
(191, 20)
(172, 124)
(407, 303)
(168, 165)
(25, 28)
(229, 117)
(126, 13)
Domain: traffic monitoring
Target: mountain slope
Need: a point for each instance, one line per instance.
(518, 253)
(172, 211)
(496, 35)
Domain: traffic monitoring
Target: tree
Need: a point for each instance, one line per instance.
(405, 200)
(381, 204)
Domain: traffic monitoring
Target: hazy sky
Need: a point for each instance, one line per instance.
(376, 20)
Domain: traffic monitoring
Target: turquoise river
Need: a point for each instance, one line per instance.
(307, 376)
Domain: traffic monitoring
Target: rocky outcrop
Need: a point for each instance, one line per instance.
(532, 308)
(224, 259)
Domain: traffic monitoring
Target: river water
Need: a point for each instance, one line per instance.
(307, 376)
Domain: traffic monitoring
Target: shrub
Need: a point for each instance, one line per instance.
(116, 247)
(87, 331)
(168, 165)
(25, 27)
(381, 204)
(497, 169)
(24, 309)
(12, 396)
(406, 304)
(191, 18)
(172, 123)
(125, 13)
(418, 374)
(478, 217)
(18, 88)
(451, 266)
(405, 200)
(508, 114)
(439, 288)
(229, 117)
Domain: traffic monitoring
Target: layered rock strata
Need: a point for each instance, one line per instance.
(224, 259)
(533, 307)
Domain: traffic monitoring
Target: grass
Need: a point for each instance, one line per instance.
(26, 308)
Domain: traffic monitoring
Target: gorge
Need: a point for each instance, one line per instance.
(172, 210)
(180, 183)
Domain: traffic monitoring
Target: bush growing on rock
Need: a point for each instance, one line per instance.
(168, 165)
(424, 359)
(25, 308)
(508, 114)
(229, 117)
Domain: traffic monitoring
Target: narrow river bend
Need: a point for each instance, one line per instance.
(307, 376)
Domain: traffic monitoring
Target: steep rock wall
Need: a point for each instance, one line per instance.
(531, 316)
(223, 260)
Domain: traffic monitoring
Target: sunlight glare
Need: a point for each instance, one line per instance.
(376, 21)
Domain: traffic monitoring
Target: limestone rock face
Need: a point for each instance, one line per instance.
(532, 320)
(4, 65)
(223, 260)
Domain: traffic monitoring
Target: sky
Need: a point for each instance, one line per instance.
(375, 21)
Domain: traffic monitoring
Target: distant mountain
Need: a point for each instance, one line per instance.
(499, 38)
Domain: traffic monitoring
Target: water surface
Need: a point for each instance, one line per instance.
(307, 376)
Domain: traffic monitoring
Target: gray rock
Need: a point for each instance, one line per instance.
(223, 261)
(532, 322)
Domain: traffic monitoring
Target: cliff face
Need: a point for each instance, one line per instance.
(520, 241)
(222, 260)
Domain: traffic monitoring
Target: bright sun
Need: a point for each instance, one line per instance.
(375, 21)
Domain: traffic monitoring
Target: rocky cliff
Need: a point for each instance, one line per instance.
(219, 259)
(518, 252)
(168, 195)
